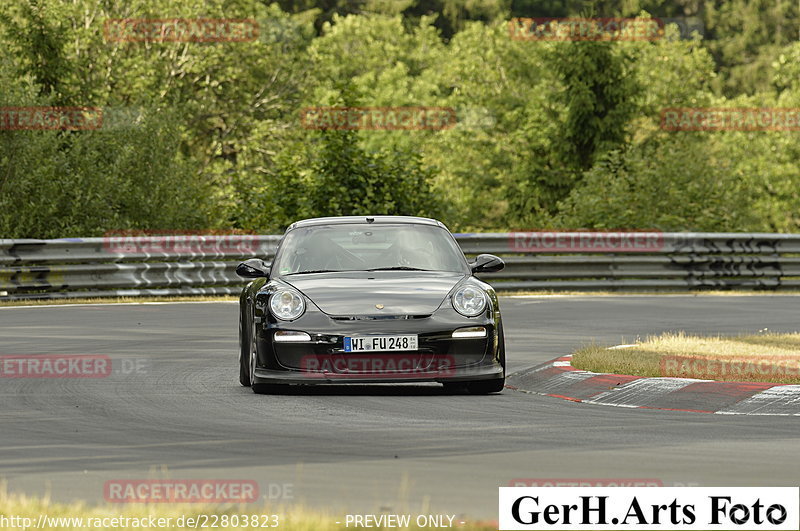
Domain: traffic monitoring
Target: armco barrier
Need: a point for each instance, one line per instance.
(145, 266)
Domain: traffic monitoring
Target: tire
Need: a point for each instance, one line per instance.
(244, 354)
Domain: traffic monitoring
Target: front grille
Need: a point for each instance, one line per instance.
(376, 317)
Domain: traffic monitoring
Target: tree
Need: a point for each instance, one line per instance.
(35, 36)
(672, 183)
(349, 181)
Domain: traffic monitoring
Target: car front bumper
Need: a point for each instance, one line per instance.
(264, 376)
(439, 358)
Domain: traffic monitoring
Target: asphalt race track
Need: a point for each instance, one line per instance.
(173, 408)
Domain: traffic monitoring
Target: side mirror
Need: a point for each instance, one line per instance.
(253, 268)
(487, 263)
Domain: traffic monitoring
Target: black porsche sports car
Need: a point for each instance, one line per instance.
(366, 300)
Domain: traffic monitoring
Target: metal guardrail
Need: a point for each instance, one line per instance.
(205, 265)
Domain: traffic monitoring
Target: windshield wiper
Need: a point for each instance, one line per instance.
(398, 268)
(313, 271)
(395, 268)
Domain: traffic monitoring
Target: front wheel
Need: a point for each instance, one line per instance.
(244, 354)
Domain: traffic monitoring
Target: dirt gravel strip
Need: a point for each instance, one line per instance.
(558, 378)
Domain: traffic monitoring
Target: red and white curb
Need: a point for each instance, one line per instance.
(558, 378)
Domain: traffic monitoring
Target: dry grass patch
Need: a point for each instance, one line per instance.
(763, 357)
(648, 293)
(79, 515)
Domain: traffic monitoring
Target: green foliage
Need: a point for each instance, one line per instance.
(333, 176)
(503, 93)
(127, 174)
(36, 38)
(348, 181)
(647, 187)
(786, 68)
(599, 95)
(548, 133)
(703, 181)
(86, 183)
(744, 37)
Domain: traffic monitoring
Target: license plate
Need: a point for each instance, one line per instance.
(379, 343)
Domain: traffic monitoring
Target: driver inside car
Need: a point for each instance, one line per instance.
(408, 251)
(323, 254)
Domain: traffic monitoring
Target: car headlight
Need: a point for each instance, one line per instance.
(469, 300)
(287, 304)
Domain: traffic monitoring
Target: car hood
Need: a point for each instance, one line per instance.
(358, 293)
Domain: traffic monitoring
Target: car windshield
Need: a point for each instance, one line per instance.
(359, 247)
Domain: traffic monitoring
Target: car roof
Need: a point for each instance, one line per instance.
(340, 220)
